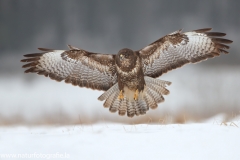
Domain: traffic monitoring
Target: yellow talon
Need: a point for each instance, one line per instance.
(136, 95)
(120, 96)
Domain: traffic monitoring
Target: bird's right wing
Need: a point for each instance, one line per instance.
(176, 49)
(76, 66)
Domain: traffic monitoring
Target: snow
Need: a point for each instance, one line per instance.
(42, 117)
(209, 140)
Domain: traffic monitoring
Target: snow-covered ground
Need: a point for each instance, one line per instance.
(209, 140)
(42, 118)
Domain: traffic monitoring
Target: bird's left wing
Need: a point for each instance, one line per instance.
(76, 66)
(176, 49)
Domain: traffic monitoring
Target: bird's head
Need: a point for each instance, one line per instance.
(126, 58)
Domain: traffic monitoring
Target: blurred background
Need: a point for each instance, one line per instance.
(198, 91)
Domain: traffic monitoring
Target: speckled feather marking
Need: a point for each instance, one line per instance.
(78, 67)
(177, 49)
(99, 71)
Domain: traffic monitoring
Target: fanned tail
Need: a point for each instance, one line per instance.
(150, 97)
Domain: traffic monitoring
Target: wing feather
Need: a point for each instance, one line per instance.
(176, 49)
(76, 66)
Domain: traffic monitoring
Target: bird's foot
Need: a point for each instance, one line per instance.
(120, 96)
(136, 95)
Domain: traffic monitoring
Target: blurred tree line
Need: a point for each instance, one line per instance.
(106, 25)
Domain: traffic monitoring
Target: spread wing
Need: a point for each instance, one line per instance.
(76, 66)
(176, 49)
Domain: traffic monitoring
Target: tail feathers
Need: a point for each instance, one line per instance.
(143, 106)
(110, 100)
(137, 108)
(158, 98)
(114, 107)
(158, 82)
(158, 89)
(150, 97)
(109, 92)
(123, 107)
(150, 101)
(131, 108)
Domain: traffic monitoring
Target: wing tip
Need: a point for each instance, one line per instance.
(34, 55)
(221, 40)
(46, 49)
(215, 34)
(202, 30)
(32, 64)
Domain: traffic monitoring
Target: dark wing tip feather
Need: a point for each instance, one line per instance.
(202, 30)
(223, 46)
(45, 49)
(223, 51)
(221, 40)
(215, 34)
(32, 64)
(32, 67)
(31, 70)
(34, 55)
(30, 59)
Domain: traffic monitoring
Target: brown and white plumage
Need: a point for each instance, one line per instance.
(76, 66)
(128, 77)
(176, 49)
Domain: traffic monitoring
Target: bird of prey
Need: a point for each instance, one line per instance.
(128, 77)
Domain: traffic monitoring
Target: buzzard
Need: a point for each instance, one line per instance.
(129, 77)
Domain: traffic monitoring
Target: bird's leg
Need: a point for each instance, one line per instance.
(136, 95)
(120, 96)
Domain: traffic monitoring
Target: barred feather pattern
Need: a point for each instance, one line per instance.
(76, 67)
(123, 106)
(176, 49)
(99, 71)
(149, 98)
